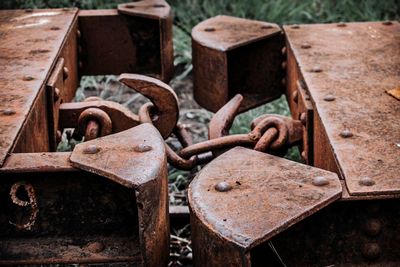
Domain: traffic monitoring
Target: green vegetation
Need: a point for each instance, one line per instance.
(187, 13)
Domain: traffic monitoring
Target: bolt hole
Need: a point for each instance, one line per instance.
(209, 29)
(158, 6)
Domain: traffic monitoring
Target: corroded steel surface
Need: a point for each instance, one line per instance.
(147, 8)
(30, 43)
(263, 195)
(224, 33)
(123, 157)
(37, 162)
(122, 118)
(347, 70)
(222, 121)
(166, 111)
(118, 212)
(244, 58)
(141, 34)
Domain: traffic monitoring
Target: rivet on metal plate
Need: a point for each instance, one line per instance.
(91, 149)
(320, 181)
(366, 181)
(28, 78)
(373, 227)
(223, 187)
(8, 112)
(95, 247)
(57, 93)
(346, 133)
(329, 98)
(142, 148)
(305, 46)
(371, 251)
(316, 69)
(65, 73)
(303, 118)
(209, 29)
(266, 27)
(295, 96)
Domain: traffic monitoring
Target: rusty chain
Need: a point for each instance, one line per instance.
(268, 133)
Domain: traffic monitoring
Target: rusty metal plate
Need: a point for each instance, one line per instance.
(225, 33)
(155, 9)
(30, 43)
(142, 40)
(347, 69)
(123, 157)
(116, 213)
(247, 197)
(244, 58)
(135, 158)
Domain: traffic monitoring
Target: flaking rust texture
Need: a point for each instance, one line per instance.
(30, 42)
(274, 192)
(123, 157)
(347, 69)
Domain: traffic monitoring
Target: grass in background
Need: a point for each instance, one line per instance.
(188, 13)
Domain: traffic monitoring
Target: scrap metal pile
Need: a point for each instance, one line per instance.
(106, 202)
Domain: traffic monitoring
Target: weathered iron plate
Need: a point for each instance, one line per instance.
(74, 210)
(268, 195)
(244, 57)
(224, 33)
(30, 43)
(123, 157)
(355, 63)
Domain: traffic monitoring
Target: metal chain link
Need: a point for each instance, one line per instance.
(268, 133)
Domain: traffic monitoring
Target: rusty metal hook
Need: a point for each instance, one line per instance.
(165, 111)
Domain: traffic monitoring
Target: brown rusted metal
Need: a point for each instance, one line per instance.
(244, 58)
(165, 112)
(121, 117)
(183, 135)
(142, 40)
(266, 140)
(74, 216)
(93, 123)
(275, 193)
(28, 51)
(92, 130)
(222, 121)
(220, 143)
(360, 105)
(55, 88)
(290, 131)
(177, 161)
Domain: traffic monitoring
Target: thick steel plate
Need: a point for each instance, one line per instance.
(30, 43)
(268, 195)
(225, 33)
(131, 158)
(356, 63)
